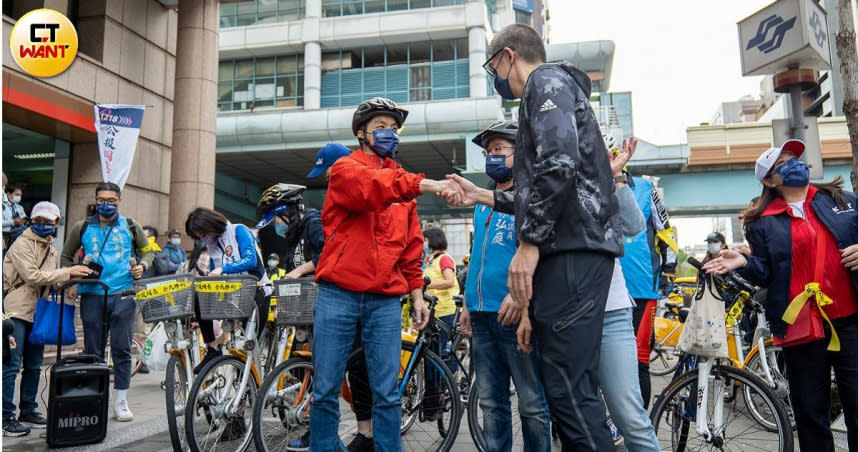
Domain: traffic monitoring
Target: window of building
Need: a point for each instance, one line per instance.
(522, 17)
(336, 8)
(261, 82)
(237, 13)
(404, 73)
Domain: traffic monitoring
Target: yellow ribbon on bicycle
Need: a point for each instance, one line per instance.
(167, 290)
(812, 290)
(219, 287)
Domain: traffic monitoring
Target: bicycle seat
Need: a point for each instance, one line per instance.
(459, 300)
(673, 305)
(683, 314)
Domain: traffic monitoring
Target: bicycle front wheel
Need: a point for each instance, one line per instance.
(779, 384)
(177, 389)
(475, 419)
(281, 414)
(218, 415)
(437, 409)
(675, 414)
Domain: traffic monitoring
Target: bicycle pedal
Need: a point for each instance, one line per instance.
(163, 385)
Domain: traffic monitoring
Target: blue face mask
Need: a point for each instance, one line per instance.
(794, 173)
(42, 229)
(386, 141)
(281, 229)
(106, 210)
(502, 87)
(496, 168)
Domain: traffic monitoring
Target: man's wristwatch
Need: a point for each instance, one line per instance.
(621, 179)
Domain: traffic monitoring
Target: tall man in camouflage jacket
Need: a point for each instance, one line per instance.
(566, 213)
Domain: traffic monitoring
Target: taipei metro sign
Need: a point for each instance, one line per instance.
(787, 33)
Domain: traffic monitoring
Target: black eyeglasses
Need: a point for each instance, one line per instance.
(487, 65)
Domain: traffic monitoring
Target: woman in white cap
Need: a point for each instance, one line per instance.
(803, 239)
(29, 271)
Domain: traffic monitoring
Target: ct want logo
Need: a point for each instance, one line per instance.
(43, 43)
(771, 44)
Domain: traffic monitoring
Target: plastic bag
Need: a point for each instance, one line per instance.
(154, 355)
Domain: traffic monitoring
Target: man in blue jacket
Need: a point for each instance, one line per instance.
(493, 317)
(109, 240)
(174, 250)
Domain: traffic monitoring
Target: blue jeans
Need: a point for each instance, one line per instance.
(496, 360)
(30, 355)
(618, 376)
(339, 315)
(121, 312)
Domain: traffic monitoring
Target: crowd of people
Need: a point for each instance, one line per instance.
(570, 254)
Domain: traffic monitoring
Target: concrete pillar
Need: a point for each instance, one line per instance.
(477, 55)
(60, 185)
(312, 56)
(313, 8)
(192, 173)
(312, 76)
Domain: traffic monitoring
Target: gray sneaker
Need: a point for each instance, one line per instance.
(11, 427)
(34, 420)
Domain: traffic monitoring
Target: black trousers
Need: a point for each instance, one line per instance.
(808, 369)
(570, 291)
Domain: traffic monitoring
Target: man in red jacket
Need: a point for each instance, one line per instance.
(373, 247)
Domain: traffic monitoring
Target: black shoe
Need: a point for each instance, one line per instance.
(360, 443)
(234, 430)
(211, 353)
(12, 427)
(34, 420)
(432, 407)
(143, 370)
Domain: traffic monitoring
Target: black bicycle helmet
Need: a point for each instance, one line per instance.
(278, 195)
(507, 129)
(371, 108)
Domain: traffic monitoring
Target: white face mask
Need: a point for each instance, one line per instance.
(16, 199)
(176, 241)
(714, 248)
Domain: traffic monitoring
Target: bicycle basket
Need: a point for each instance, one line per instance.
(295, 301)
(165, 297)
(226, 297)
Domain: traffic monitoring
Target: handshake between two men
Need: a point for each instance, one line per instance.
(457, 191)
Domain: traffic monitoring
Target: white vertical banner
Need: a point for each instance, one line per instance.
(118, 127)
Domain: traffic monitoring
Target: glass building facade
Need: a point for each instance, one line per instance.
(238, 13)
(261, 82)
(335, 8)
(403, 73)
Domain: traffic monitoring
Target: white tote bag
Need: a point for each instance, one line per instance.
(704, 332)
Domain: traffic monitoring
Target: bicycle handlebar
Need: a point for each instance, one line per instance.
(731, 278)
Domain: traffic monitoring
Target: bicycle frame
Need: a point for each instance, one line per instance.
(182, 348)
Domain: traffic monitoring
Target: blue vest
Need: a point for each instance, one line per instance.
(493, 249)
(640, 262)
(115, 257)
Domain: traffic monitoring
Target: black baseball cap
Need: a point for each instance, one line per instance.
(715, 237)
